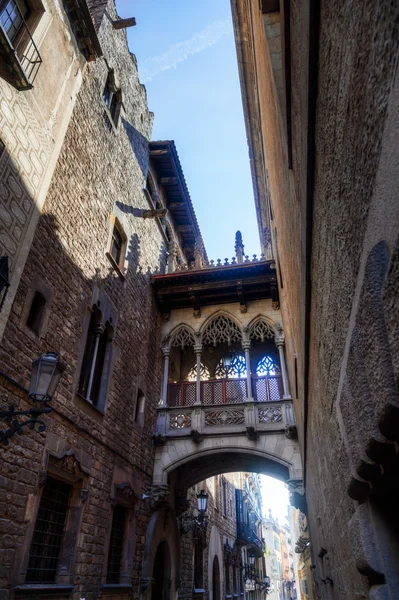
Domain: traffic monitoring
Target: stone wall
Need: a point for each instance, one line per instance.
(32, 128)
(100, 174)
(335, 222)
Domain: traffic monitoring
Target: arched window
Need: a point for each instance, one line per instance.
(231, 366)
(182, 338)
(267, 367)
(91, 374)
(36, 312)
(204, 373)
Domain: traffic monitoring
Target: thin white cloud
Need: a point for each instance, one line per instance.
(180, 52)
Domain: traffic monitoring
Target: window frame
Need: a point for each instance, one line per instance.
(112, 99)
(119, 266)
(66, 468)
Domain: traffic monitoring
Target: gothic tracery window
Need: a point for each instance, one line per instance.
(267, 367)
(261, 330)
(182, 338)
(204, 373)
(232, 368)
(221, 329)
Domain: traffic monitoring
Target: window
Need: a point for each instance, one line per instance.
(277, 544)
(267, 367)
(117, 247)
(224, 491)
(116, 544)
(36, 312)
(19, 68)
(94, 358)
(231, 367)
(12, 16)
(49, 532)
(139, 410)
(112, 97)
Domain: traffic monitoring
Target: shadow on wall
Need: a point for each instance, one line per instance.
(139, 145)
(50, 261)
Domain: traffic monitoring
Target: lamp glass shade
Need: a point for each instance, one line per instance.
(45, 376)
(251, 559)
(202, 502)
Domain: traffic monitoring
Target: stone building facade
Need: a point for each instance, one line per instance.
(84, 293)
(320, 93)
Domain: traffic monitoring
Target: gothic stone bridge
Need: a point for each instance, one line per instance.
(226, 403)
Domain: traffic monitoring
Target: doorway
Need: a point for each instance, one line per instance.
(161, 573)
(215, 579)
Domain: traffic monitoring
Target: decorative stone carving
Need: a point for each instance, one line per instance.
(196, 436)
(182, 338)
(291, 432)
(69, 463)
(126, 491)
(252, 434)
(221, 329)
(261, 330)
(156, 494)
(270, 415)
(297, 494)
(179, 421)
(84, 494)
(225, 417)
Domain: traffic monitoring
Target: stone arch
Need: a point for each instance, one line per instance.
(163, 526)
(215, 550)
(273, 454)
(232, 329)
(268, 323)
(182, 335)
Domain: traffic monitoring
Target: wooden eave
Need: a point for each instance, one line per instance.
(164, 157)
(84, 29)
(206, 287)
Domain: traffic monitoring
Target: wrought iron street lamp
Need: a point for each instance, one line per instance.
(198, 522)
(45, 377)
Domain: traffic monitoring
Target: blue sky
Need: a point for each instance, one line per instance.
(186, 57)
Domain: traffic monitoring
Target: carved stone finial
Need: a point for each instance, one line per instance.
(239, 248)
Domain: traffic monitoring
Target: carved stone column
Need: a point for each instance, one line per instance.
(246, 344)
(198, 350)
(166, 354)
(279, 340)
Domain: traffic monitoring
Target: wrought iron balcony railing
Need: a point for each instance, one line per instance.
(20, 59)
(225, 391)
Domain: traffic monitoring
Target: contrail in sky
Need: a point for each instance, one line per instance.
(183, 50)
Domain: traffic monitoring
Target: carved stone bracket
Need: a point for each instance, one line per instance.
(156, 494)
(156, 212)
(252, 434)
(297, 494)
(196, 436)
(159, 439)
(291, 432)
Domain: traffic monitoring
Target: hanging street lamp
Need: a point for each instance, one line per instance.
(45, 377)
(197, 522)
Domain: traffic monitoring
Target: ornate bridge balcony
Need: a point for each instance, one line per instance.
(225, 391)
(248, 418)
